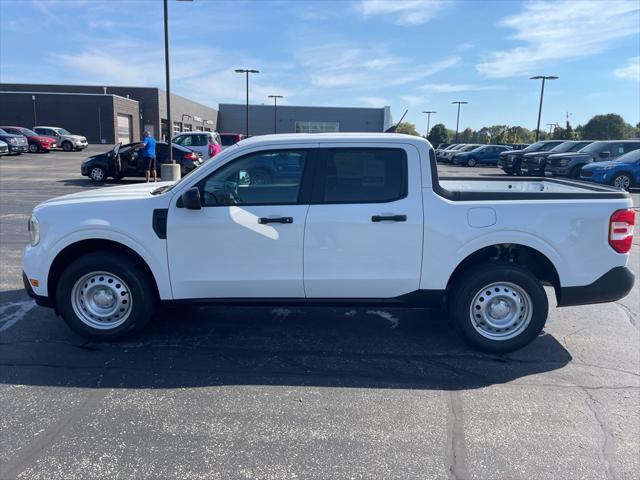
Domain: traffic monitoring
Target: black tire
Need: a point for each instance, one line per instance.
(471, 284)
(67, 146)
(622, 180)
(141, 291)
(472, 162)
(516, 169)
(575, 172)
(33, 148)
(98, 174)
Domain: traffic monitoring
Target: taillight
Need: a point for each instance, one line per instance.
(621, 230)
(190, 156)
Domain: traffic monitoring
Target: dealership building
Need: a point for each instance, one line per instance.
(110, 114)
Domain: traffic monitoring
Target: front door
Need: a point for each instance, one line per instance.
(247, 240)
(364, 233)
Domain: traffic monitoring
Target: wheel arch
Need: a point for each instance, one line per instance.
(81, 247)
(526, 256)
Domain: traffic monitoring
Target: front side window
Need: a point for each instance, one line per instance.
(264, 178)
(361, 175)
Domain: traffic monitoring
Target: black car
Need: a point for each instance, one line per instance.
(126, 161)
(570, 164)
(534, 163)
(17, 143)
(510, 161)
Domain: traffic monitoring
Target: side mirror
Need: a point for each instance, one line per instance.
(191, 199)
(605, 154)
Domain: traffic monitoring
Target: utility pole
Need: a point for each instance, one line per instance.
(458, 117)
(275, 111)
(247, 72)
(428, 112)
(543, 78)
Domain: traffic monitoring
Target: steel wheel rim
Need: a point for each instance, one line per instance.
(501, 311)
(472, 163)
(101, 300)
(622, 181)
(97, 174)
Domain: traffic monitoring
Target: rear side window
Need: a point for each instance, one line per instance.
(362, 175)
(631, 146)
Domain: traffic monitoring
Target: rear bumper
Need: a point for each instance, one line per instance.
(612, 286)
(40, 300)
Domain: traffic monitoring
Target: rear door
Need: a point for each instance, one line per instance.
(363, 237)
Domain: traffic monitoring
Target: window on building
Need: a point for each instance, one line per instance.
(317, 127)
(361, 175)
(187, 127)
(177, 128)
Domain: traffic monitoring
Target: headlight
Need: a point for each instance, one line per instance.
(34, 231)
(12, 141)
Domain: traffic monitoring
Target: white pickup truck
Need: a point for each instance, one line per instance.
(332, 219)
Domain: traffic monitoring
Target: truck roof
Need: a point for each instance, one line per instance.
(333, 137)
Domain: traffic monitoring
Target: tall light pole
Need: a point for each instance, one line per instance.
(275, 111)
(247, 72)
(458, 118)
(543, 78)
(428, 112)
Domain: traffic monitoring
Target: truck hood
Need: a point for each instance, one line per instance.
(124, 192)
(570, 155)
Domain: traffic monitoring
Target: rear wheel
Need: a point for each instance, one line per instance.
(575, 172)
(498, 307)
(98, 174)
(622, 180)
(105, 295)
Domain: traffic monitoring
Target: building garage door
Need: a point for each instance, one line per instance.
(124, 128)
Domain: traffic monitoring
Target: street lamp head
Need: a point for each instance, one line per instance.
(546, 77)
(246, 70)
(275, 96)
(429, 111)
(461, 103)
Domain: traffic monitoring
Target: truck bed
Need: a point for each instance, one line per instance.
(522, 188)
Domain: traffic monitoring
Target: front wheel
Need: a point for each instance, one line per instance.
(67, 147)
(33, 148)
(575, 172)
(98, 174)
(622, 180)
(498, 307)
(105, 295)
(472, 162)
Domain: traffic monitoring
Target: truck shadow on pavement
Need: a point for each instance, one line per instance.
(192, 347)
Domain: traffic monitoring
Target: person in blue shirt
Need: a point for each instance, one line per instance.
(149, 156)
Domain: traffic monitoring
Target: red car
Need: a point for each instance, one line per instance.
(37, 143)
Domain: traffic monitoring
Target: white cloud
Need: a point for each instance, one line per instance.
(374, 101)
(631, 71)
(564, 30)
(347, 65)
(456, 87)
(404, 12)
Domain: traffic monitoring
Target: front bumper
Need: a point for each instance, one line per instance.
(18, 148)
(40, 300)
(612, 286)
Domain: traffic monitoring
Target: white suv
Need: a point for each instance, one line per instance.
(207, 144)
(64, 139)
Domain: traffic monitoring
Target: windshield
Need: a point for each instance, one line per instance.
(26, 131)
(468, 148)
(62, 131)
(594, 147)
(631, 157)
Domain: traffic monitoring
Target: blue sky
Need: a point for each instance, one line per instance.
(415, 54)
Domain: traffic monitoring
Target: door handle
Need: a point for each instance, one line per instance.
(265, 220)
(389, 218)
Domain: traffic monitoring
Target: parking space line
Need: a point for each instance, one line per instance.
(13, 312)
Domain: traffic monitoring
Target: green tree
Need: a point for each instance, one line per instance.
(407, 128)
(605, 127)
(566, 133)
(438, 134)
(468, 135)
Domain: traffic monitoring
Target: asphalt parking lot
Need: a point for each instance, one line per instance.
(304, 392)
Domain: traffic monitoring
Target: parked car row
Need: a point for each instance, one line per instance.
(39, 139)
(471, 154)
